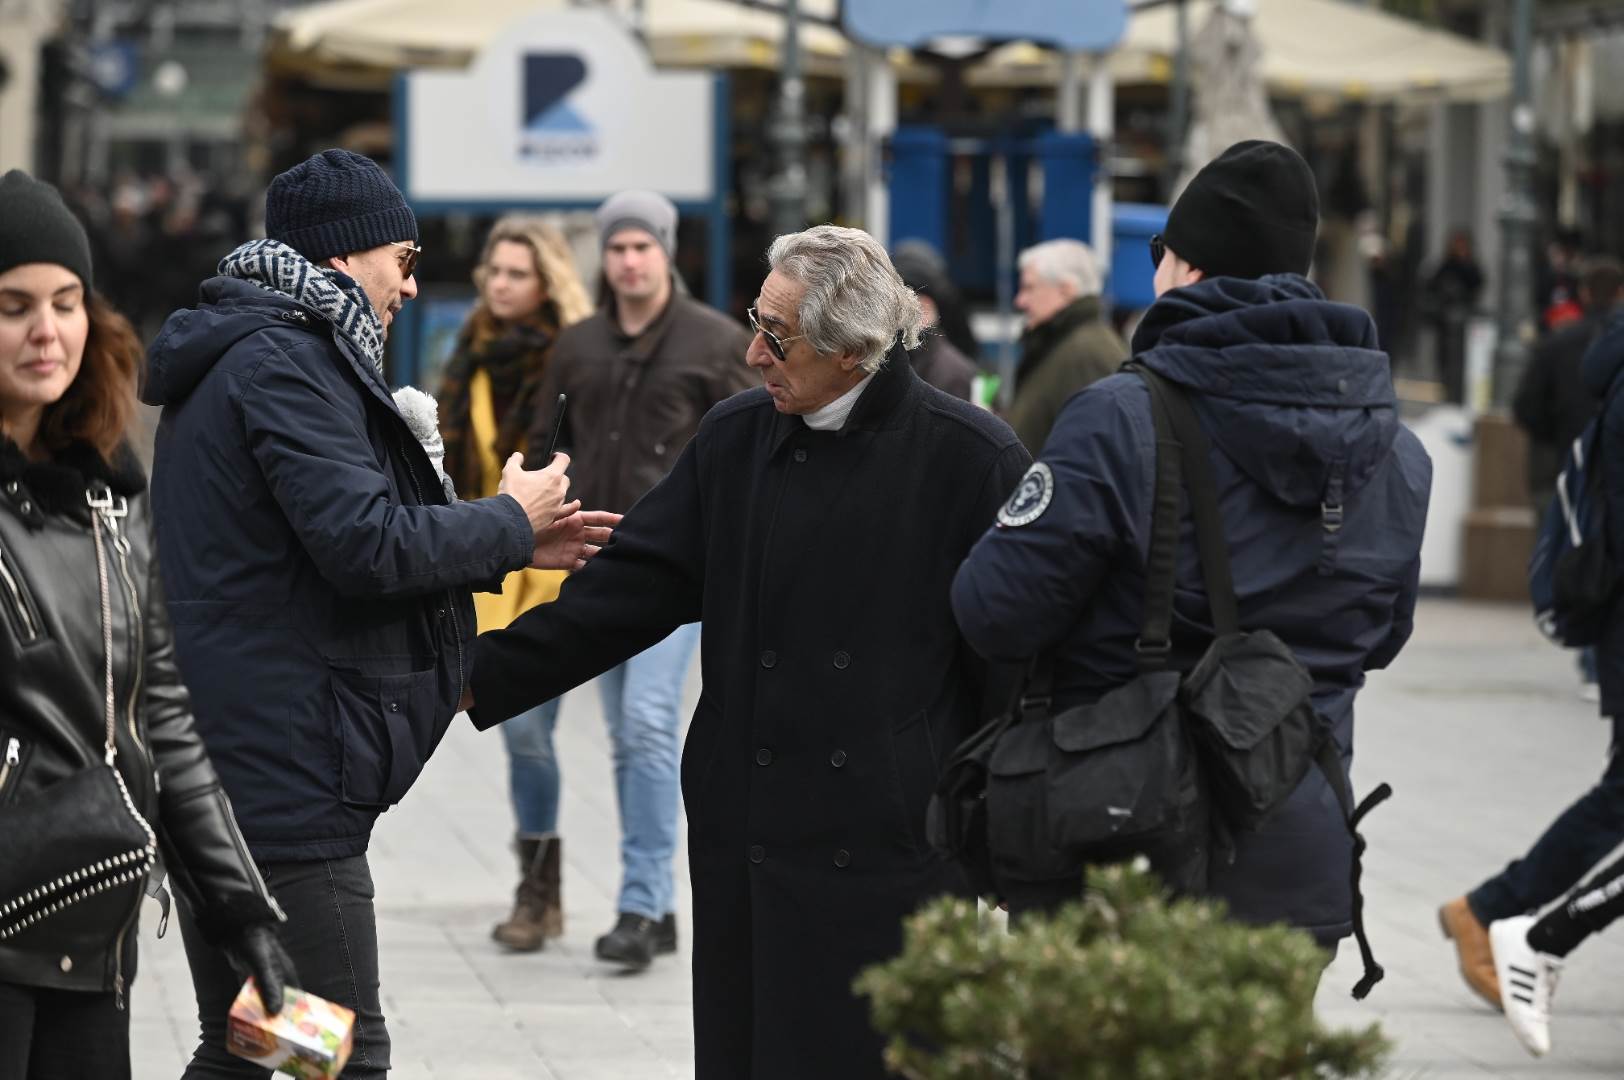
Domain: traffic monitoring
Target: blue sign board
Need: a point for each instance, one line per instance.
(115, 67)
(1080, 25)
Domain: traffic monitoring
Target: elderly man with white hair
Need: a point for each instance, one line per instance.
(1067, 343)
(813, 526)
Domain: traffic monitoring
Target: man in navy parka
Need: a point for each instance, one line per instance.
(1323, 497)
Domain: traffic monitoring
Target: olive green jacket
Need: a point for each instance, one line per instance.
(1059, 357)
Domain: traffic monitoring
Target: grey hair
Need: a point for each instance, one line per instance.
(1063, 262)
(855, 302)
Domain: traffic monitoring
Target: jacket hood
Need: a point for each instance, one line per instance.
(1292, 386)
(1602, 361)
(193, 339)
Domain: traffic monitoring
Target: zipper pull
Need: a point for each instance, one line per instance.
(118, 991)
(14, 752)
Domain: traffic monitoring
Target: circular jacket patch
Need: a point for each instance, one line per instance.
(1031, 498)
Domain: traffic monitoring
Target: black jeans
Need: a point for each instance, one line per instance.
(62, 1035)
(332, 936)
(1581, 837)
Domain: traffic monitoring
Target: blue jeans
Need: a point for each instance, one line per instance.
(533, 768)
(1581, 837)
(642, 703)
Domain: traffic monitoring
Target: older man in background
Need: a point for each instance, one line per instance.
(1067, 343)
(813, 527)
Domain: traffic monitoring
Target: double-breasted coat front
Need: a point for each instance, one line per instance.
(835, 686)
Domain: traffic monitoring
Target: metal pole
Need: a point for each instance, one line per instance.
(1517, 216)
(1069, 108)
(1179, 108)
(788, 131)
(1102, 125)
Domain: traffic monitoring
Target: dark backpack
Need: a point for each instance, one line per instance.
(1572, 580)
(1169, 765)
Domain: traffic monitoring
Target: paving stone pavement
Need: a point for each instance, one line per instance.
(1477, 727)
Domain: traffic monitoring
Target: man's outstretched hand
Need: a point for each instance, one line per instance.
(573, 538)
(540, 492)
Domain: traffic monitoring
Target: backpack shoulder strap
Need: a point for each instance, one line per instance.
(1172, 407)
(1155, 644)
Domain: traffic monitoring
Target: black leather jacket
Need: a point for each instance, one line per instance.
(52, 706)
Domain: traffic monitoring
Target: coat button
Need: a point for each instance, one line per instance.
(838, 758)
(842, 659)
(842, 858)
(442, 613)
(764, 756)
(26, 507)
(12, 487)
(66, 964)
(757, 853)
(800, 455)
(614, 436)
(769, 658)
(394, 706)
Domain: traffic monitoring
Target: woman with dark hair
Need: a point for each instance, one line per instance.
(528, 292)
(944, 357)
(102, 768)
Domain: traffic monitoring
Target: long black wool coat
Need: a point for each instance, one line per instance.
(835, 684)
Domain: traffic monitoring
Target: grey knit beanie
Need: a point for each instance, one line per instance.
(336, 203)
(646, 210)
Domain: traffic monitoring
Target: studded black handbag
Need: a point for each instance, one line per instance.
(74, 856)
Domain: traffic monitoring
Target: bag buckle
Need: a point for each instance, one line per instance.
(1331, 516)
(1158, 649)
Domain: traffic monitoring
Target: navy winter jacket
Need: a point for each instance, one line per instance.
(1299, 404)
(1600, 369)
(317, 580)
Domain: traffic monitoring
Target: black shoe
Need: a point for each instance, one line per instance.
(631, 942)
(665, 934)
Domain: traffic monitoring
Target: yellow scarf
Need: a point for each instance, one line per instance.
(522, 589)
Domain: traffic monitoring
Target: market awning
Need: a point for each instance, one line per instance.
(1310, 47)
(392, 34)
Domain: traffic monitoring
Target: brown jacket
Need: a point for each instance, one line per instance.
(634, 402)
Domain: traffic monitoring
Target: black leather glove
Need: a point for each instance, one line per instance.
(256, 952)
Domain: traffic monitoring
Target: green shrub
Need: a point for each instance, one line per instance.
(1122, 984)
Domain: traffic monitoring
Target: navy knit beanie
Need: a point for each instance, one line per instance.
(336, 203)
(37, 227)
(1250, 211)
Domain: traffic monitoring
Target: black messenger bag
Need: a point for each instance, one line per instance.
(1170, 765)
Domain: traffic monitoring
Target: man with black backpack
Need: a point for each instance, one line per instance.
(1281, 405)
(1593, 826)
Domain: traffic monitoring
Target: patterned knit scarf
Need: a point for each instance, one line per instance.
(277, 268)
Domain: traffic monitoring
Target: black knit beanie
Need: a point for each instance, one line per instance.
(1252, 210)
(37, 227)
(336, 203)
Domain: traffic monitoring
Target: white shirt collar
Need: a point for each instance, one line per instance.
(832, 417)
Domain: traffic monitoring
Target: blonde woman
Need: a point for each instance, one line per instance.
(528, 292)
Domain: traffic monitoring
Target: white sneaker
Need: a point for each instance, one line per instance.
(1527, 982)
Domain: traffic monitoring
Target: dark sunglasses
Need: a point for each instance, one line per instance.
(1158, 248)
(775, 344)
(408, 265)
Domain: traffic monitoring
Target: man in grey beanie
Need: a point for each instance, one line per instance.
(640, 375)
(318, 575)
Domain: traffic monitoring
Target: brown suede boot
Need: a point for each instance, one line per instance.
(524, 930)
(1472, 949)
(552, 887)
